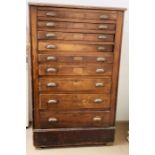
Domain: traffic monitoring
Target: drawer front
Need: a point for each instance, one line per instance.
(75, 69)
(74, 119)
(76, 14)
(56, 102)
(100, 57)
(75, 36)
(102, 85)
(73, 47)
(53, 25)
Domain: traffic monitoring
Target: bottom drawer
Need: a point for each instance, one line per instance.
(73, 137)
(74, 119)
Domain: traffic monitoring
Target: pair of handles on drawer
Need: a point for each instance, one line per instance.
(53, 58)
(54, 70)
(53, 101)
(53, 35)
(52, 46)
(53, 84)
(54, 120)
(53, 14)
(53, 24)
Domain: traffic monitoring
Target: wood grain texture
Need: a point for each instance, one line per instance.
(77, 20)
(67, 102)
(77, 14)
(75, 69)
(84, 31)
(77, 137)
(75, 85)
(117, 54)
(34, 59)
(85, 57)
(75, 66)
(74, 119)
(64, 46)
(75, 25)
(52, 35)
(47, 5)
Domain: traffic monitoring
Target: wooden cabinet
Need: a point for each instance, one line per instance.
(75, 54)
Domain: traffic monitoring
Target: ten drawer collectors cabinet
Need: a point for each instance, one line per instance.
(75, 55)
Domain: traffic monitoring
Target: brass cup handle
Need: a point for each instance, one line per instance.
(104, 17)
(51, 46)
(97, 118)
(50, 24)
(53, 14)
(101, 48)
(51, 84)
(51, 70)
(52, 119)
(100, 59)
(98, 100)
(50, 35)
(52, 101)
(99, 70)
(102, 37)
(103, 26)
(99, 84)
(51, 58)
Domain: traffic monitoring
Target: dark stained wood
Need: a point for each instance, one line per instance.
(75, 69)
(74, 102)
(84, 57)
(47, 5)
(77, 14)
(75, 85)
(77, 20)
(76, 137)
(75, 25)
(74, 10)
(84, 31)
(65, 119)
(117, 54)
(75, 36)
(64, 46)
(34, 58)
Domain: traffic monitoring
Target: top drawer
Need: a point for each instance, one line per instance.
(66, 13)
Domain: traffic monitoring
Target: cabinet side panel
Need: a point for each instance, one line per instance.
(116, 63)
(34, 63)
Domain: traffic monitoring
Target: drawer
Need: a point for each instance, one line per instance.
(73, 46)
(100, 57)
(56, 102)
(54, 25)
(99, 85)
(75, 69)
(50, 13)
(61, 119)
(50, 35)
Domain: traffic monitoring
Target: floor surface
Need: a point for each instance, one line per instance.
(120, 146)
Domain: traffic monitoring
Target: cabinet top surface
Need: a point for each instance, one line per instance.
(77, 6)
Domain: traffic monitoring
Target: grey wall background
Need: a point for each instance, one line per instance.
(123, 89)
